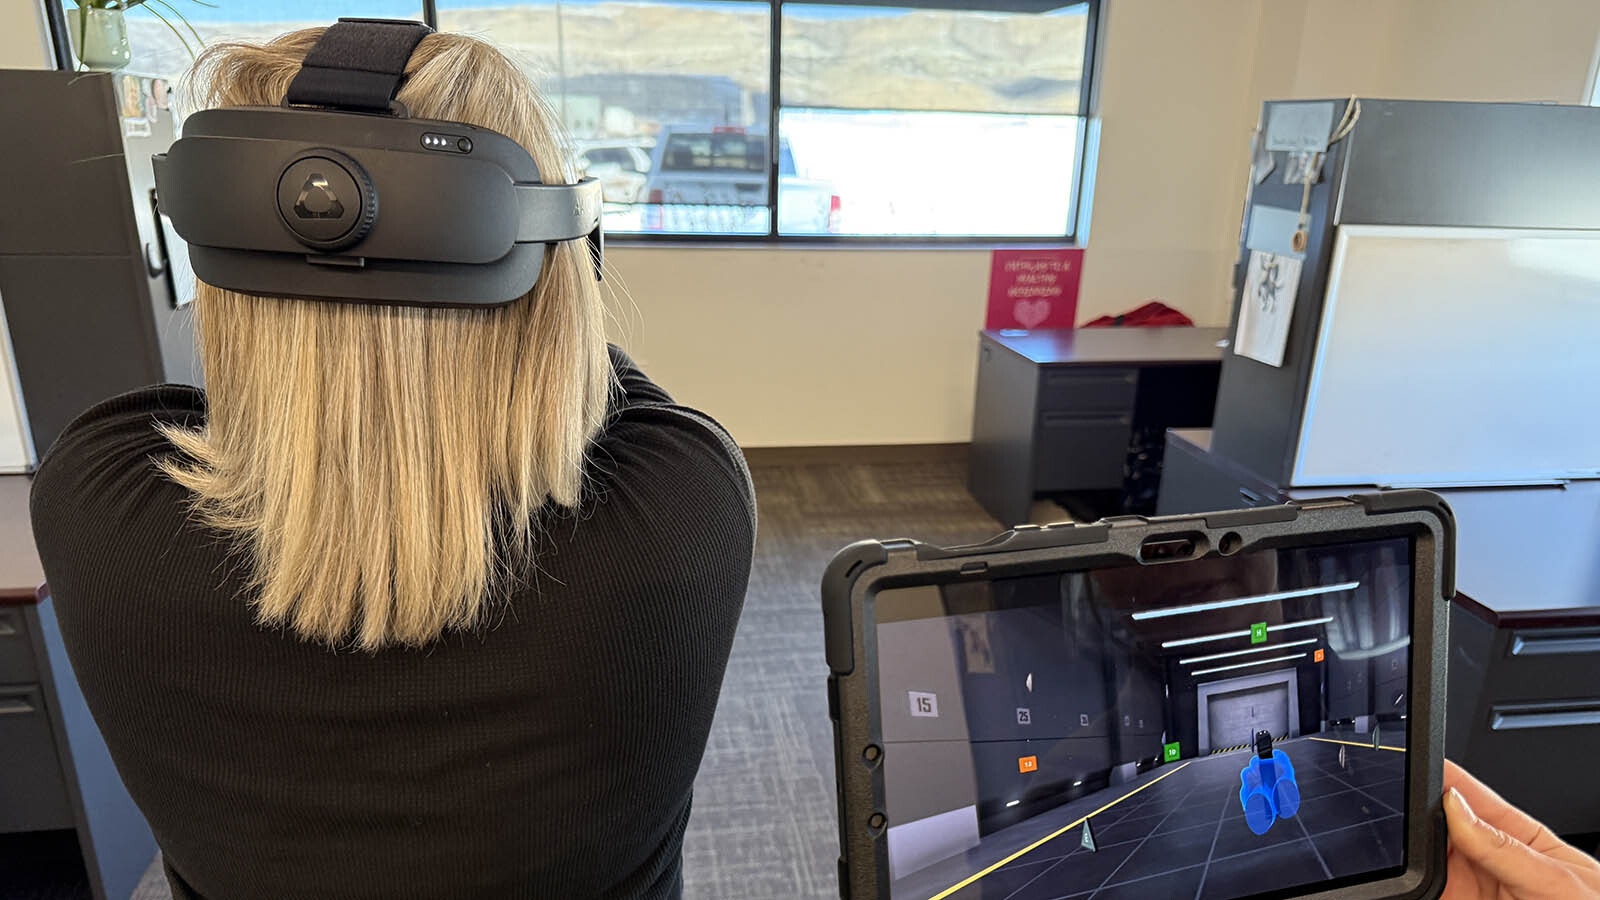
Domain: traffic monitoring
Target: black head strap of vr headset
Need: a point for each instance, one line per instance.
(357, 64)
(464, 217)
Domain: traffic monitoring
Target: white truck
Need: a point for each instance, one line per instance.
(619, 166)
(714, 181)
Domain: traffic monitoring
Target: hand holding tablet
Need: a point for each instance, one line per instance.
(1499, 852)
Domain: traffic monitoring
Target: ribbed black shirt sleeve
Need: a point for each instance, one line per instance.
(550, 753)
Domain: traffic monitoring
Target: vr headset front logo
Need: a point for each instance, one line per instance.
(317, 199)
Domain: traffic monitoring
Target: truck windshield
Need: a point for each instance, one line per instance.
(690, 152)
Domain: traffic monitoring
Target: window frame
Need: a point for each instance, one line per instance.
(1081, 179)
(1593, 87)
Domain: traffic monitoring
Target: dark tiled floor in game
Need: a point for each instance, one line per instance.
(1185, 835)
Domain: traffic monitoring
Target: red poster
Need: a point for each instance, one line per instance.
(1034, 288)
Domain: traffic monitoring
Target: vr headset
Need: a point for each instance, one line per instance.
(341, 195)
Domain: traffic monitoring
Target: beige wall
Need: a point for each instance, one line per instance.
(861, 346)
(22, 36)
(811, 347)
(1488, 50)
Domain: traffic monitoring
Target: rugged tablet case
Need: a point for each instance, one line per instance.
(859, 570)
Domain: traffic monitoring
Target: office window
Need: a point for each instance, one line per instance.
(891, 121)
(933, 122)
(666, 102)
(915, 120)
(163, 48)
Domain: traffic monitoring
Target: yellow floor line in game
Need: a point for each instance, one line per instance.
(1052, 836)
(1358, 744)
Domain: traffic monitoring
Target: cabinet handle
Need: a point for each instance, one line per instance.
(1545, 715)
(1058, 419)
(15, 706)
(1085, 379)
(1249, 496)
(1554, 644)
(6, 628)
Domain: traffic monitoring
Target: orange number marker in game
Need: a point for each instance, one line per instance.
(1317, 656)
(1027, 764)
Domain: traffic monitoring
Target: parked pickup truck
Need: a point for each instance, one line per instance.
(618, 165)
(714, 180)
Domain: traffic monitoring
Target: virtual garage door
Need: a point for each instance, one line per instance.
(1234, 717)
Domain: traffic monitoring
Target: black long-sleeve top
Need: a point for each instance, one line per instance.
(550, 754)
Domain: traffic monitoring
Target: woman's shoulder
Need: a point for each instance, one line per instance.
(672, 450)
(120, 432)
(652, 444)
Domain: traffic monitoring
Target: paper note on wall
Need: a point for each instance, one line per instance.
(1266, 307)
(1299, 127)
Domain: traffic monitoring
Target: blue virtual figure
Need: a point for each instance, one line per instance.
(1267, 788)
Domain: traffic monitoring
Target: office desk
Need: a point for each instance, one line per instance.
(1524, 627)
(1056, 410)
(65, 818)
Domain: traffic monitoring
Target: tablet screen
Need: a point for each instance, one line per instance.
(1223, 728)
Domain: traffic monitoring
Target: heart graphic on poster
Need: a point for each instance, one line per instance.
(1030, 313)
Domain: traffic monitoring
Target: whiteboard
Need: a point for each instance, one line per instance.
(1455, 356)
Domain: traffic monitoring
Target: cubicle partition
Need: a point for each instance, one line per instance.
(1434, 326)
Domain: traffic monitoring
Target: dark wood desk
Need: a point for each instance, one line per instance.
(67, 825)
(1056, 410)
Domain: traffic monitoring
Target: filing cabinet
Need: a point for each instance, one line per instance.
(1056, 410)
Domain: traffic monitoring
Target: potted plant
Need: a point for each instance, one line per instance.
(99, 33)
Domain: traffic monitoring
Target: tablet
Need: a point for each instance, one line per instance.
(1246, 704)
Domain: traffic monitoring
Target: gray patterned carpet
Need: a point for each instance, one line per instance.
(763, 825)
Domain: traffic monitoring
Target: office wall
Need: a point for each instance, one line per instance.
(809, 347)
(1489, 50)
(1537, 50)
(22, 46)
(792, 347)
(805, 347)
(22, 36)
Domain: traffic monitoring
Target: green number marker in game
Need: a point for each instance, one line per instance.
(1169, 752)
(1258, 633)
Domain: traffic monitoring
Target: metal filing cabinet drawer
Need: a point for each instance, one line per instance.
(1081, 452)
(33, 794)
(16, 650)
(1088, 389)
(1547, 664)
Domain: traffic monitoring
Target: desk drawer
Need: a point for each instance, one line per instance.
(1088, 389)
(1080, 452)
(33, 793)
(1539, 756)
(16, 650)
(1544, 664)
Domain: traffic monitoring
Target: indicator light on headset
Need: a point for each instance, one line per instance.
(447, 142)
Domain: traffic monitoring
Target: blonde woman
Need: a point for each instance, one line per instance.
(426, 603)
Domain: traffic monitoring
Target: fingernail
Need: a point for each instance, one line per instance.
(1466, 808)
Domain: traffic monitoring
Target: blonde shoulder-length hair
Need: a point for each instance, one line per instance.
(385, 466)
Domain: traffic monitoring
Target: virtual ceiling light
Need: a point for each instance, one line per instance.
(1264, 648)
(1225, 635)
(1246, 665)
(1244, 601)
